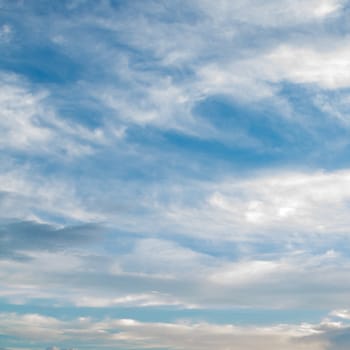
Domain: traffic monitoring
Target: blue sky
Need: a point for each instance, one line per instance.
(174, 174)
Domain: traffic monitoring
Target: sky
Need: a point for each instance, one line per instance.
(174, 175)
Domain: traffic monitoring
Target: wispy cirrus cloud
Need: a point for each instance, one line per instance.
(29, 123)
(271, 14)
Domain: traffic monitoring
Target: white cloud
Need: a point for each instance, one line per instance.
(280, 203)
(275, 205)
(208, 60)
(151, 299)
(6, 33)
(270, 13)
(192, 336)
(159, 101)
(203, 53)
(28, 195)
(31, 326)
(29, 123)
(306, 202)
(171, 258)
(342, 313)
(329, 68)
(176, 276)
(250, 78)
(19, 116)
(248, 272)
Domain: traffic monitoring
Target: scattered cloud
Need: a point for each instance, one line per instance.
(173, 156)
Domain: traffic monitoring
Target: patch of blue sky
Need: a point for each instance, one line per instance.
(264, 137)
(236, 316)
(40, 64)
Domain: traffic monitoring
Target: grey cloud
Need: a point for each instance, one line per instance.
(340, 339)
(17, 237)
(334, 335)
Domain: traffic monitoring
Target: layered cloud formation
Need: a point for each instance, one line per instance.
(174, 174)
